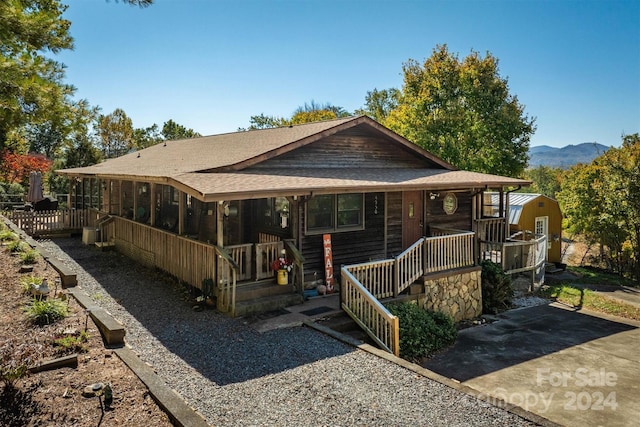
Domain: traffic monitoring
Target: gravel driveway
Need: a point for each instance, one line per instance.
(234, 375)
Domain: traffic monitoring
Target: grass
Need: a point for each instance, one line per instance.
(584, 298)
(29, 256)
(594, 276)
(72, 343)
(27, 281)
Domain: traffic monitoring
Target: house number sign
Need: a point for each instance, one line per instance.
(450, 203)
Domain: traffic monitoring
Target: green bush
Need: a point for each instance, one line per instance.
(29, 256)
(72, 343)
(8, 235)
(18, 246)
(422, 332)
(46, 312)
(497, 291)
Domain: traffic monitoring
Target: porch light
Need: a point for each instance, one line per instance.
(434, 196)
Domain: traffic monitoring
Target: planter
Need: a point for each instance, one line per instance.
(283, 277)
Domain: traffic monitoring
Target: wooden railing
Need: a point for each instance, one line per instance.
(369, 313)
(491, 229)
(243, 257)
(227, 282)
(409, 265)
(42, 222)
(519, 254)
(449, 251)
(298, 265)
(188, 260)
(376, 276)
(266, 253)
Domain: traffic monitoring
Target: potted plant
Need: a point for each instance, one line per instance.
(282, 266)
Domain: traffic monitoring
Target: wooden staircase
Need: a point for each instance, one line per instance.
(263, 296)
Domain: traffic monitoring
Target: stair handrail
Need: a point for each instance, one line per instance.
(298, 262)
(369, 313)
(226, 298)
(409, 265)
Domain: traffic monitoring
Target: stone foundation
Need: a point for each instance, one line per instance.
(457, 293)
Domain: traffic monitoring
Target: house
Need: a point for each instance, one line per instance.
(351, 204)
(533, 213)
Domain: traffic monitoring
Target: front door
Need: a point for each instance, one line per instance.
(542, 228)
(411, 217)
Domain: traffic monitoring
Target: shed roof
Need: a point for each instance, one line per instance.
(517, 201)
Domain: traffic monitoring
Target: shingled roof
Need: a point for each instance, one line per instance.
(218, 167)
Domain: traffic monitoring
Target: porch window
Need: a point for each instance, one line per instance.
(335, 212)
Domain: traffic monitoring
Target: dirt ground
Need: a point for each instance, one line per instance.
(55, 397)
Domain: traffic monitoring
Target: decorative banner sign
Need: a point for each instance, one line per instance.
(328, 262)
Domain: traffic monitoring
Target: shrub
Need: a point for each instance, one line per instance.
(8, 236)
(497, 291)
(29, 256)
(17, 246)
(15, 358)
(422, 332)
(46, 312)
(71, 343)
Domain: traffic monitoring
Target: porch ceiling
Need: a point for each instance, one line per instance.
(267, 183)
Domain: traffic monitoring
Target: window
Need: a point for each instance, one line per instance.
(335, 212)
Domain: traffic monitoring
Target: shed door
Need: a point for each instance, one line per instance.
(411, 217)
(542, 227)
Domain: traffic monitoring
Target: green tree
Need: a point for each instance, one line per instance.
(462, 111)
(546, 180)
(601, 201)
(31, 83)
(172, 130)
(115, 132)
(380, 103)
(307, 113)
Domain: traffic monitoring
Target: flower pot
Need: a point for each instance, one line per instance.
(283, 277)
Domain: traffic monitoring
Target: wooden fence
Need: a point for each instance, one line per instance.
(491, 229)
(369, 313)
(44, 222)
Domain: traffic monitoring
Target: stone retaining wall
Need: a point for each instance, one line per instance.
(457, 293)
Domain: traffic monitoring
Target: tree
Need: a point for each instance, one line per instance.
(31, 83)
(115, 132)
(601, 201)
(307, 113)
(172, 130)
(380, 103)
(461, 111)
(546, 180)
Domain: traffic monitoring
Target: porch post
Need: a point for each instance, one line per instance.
(220, 224)
(120, 209)
(135, 199)
(181, 202)
(152, 203)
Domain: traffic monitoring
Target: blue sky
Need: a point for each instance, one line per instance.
(211, 64)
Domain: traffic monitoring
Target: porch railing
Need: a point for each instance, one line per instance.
(449, 251)
(519, 253)
(409, 265)
(227, 281)
(491, 229)
(41, 222)
(242, 255)
(266, 253)
(298, 265)
(376, 276)
(369, 313)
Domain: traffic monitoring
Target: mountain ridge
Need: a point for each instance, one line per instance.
(565, 157)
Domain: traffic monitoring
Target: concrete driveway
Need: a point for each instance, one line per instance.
(574, 368)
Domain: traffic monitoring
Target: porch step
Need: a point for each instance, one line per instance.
(344, 324)
(264, 288)
(267, 303)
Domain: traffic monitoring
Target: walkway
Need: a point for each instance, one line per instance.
(235, 375)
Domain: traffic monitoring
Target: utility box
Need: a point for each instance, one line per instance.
(89, 235)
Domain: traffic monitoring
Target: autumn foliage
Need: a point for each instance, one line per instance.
(15, 168)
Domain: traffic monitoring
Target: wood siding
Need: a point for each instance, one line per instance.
(460, 220)
(394, 223)
(349, 149)
(349, 247)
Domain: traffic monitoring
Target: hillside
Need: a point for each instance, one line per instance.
(565, 157)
